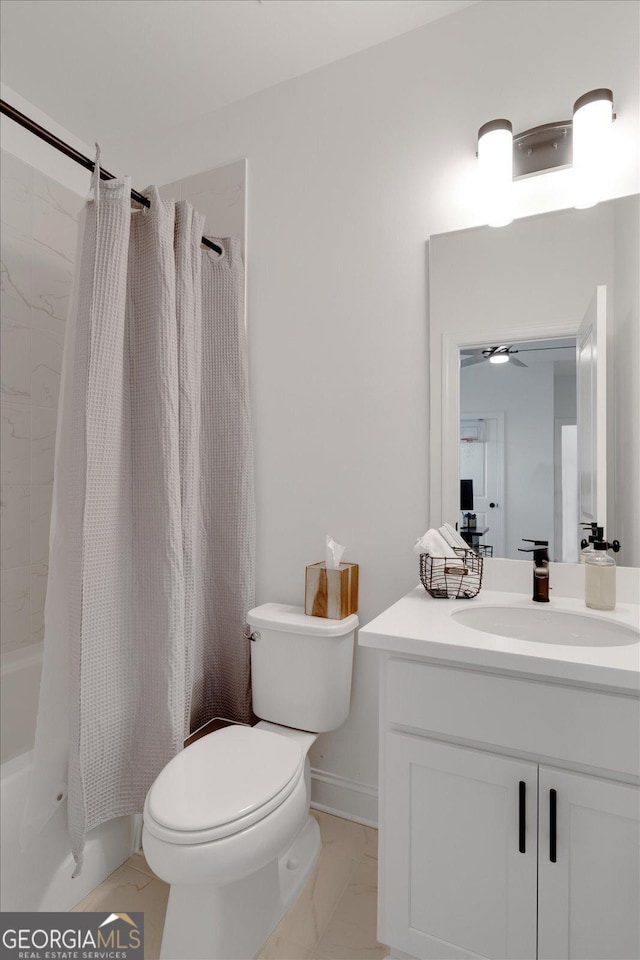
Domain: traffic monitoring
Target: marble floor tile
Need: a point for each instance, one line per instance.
(128, 891)
(345, 837)
(277, 948)
(351, 932)
(334, 918)
(139, 862)
(306, 919)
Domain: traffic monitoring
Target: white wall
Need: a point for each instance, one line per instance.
(564, 395)
(220, 195)
(351, 168)
(526, 397)
(38, 154)
(626, 349)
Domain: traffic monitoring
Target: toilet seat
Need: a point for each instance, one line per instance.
(222, 784)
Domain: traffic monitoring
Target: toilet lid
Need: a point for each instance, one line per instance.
(224, 777)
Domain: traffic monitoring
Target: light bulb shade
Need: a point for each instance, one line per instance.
(495, 160)
(592, 134)
(499, 358)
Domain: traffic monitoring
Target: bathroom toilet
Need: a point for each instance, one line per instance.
(227, 822)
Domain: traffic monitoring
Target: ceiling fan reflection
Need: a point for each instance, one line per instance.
(503, 354)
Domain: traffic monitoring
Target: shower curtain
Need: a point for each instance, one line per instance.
(153, 529)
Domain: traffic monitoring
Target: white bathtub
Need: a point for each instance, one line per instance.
(40, 878)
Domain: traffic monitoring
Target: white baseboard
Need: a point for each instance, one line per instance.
(344, 797)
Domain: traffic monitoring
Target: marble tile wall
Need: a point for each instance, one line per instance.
(38, 236)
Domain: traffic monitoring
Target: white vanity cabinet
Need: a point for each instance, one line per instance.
(457, 883)
(589, 899)
(509, 816)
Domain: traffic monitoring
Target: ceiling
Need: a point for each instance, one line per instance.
(561, 351)
(120, 69)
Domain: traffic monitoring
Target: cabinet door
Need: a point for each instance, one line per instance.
(589, 898)
(457, 883)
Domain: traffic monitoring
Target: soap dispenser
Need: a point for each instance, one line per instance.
(586, 545)
(600, 576)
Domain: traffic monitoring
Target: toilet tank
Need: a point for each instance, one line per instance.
(301, 667)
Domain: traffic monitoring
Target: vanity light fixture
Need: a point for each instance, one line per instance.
(583, 143)
(495, 158)
(592, 128)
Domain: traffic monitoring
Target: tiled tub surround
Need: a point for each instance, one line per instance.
(39, 227)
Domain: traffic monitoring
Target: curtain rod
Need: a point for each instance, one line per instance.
(74, 154)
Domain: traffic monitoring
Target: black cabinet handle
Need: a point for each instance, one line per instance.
(522, 814)
(553, 825)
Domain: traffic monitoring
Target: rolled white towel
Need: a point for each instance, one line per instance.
(435, 545)
(446, 535)
(455, 536)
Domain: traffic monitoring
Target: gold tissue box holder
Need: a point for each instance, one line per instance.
(332, 594)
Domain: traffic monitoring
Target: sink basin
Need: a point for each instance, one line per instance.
(542, 625)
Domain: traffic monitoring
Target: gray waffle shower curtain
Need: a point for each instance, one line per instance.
(153, 531)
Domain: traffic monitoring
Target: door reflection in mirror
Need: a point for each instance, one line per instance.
(516, 421)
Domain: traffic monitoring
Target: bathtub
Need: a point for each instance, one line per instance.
(39, 878)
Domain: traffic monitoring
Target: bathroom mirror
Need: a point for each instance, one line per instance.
(535, 356)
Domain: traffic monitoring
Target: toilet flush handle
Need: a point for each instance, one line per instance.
(249, 635)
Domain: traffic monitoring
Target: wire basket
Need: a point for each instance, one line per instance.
(484, 550)
(448, 579)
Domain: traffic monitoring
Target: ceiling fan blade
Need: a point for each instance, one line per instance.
(470, 361)
(470, 353)
(567, 346)
(515, 361)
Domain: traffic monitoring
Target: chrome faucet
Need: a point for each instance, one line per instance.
(540, 551)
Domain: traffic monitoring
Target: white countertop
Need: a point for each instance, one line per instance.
(419, 626)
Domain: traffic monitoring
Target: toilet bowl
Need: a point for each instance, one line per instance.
(227, 822)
